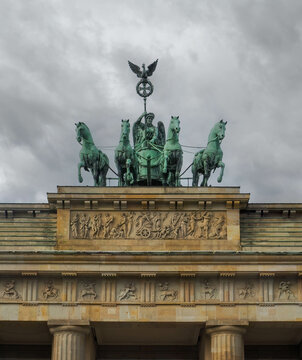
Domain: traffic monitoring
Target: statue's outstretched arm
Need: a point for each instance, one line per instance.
(140, 118)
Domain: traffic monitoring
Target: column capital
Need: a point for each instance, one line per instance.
(68, 322)
(226, 329)
(70, 339)
(70, 328)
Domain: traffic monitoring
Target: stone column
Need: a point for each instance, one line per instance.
(69, 342)
(227, 342)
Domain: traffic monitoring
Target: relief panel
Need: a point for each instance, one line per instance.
(207, 289)
(246, 290)
(148, 225)
(167, 290)
(88, 289)
(128, 290)
(11, 289)
(184, 289)
(50, 290)
(285, 289)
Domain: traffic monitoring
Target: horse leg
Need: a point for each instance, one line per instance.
(195, 175)
(102, 178)
(178, 168)
(80, 165)
(120, 176)
(222, 166)
(169, 181)
(206, 178)
(207, 172)
(95, 173)
(165, 168)
(103, 173)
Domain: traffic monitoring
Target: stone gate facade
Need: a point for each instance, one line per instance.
(150, 273)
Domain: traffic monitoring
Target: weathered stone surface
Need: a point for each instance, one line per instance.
(135, 285)
(227, 342)
(69, 342)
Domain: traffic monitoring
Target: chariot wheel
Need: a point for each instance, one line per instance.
(144, 88)
(146, 233)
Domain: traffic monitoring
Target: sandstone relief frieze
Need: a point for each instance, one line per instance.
(285, 291)
(128, 292)
(247, 291)
(168, 290)
(208, 290)
(50, 292)
(148, 225)
(88, 292)
(9, 292)
(166, 293)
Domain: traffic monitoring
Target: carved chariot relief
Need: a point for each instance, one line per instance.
(149, 225)
(9, 291)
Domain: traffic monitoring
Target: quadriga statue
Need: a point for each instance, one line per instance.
(210, 158)
(149, 141)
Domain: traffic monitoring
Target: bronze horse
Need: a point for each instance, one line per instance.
(210, 158)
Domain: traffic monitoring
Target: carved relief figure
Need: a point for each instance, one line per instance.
(166, 293)
(9, 291)
(150, 225)
(50, 291)
(123, 226)
(128, 293)
(183, 231)
(88, 291)
(75, 226)
(175, 224)
(192, 224)
(107, 225)
(285, 290)
(96, 225)
(84, 226)
(247, 291)
(209, 290)
(218, 227)
(205, 225)
(130, 223)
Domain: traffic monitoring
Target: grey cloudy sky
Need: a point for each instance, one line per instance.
(66, 61)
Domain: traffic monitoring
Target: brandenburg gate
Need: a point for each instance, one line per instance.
(151, 268)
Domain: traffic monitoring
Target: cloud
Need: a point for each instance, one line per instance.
(63, 62)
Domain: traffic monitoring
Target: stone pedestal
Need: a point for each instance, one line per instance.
(69, 342)
(227, 342)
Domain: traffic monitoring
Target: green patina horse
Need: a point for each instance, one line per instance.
(124, 157)
(172, 155)
(210, 158)
(91, 158)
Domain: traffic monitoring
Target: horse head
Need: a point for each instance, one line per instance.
(125, 129)
(83, 132)
(219, 130)
(174, 124)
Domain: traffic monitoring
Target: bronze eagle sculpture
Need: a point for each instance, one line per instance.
(143, 74)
